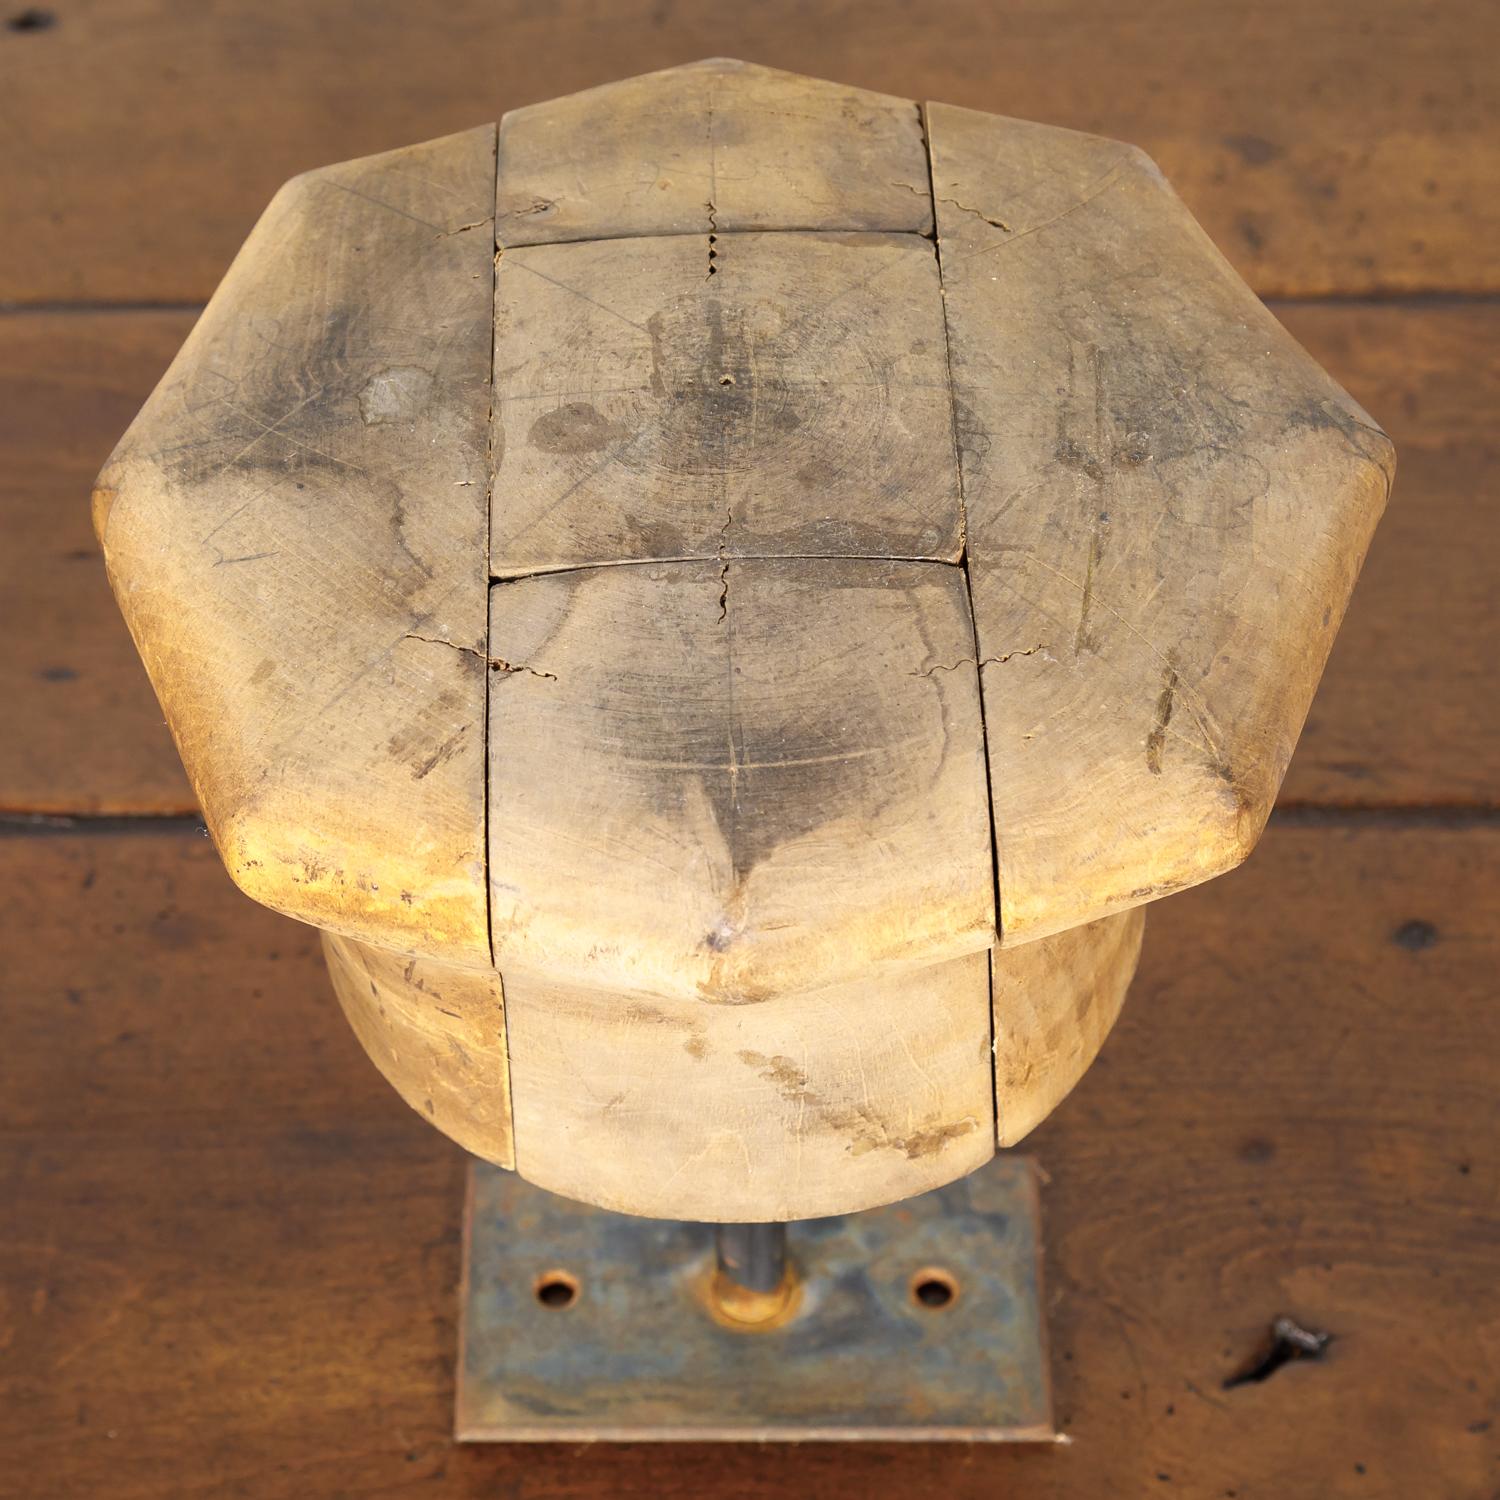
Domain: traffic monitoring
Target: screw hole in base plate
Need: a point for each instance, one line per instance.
(933, 1289)
(557, 1290)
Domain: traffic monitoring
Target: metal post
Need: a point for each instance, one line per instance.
(752, 1255)
(753, 1285)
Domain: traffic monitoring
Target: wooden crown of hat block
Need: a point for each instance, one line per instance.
(726, 668)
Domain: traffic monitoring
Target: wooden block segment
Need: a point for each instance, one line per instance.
(1054, 1003)
(295, 530)
(1168, 503)
(726, 782)
(437, 1034)
(770, 395)
(803, 1105)
(715, 145)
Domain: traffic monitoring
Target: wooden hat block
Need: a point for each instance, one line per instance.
(723, 597)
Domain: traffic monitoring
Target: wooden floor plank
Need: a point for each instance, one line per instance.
(1408, 711)
(1387, 728)
(231, 1261)
(85, 732)
(1347, 147)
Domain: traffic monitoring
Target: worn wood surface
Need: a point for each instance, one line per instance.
(437, 1033)
(722, 395)
(1054, 1001)
(857, 1093)
(231, 1267)
(294, 528)
(725, 785)
(143, 136)
(718, 145)
(1168, 504)
(1385, 729)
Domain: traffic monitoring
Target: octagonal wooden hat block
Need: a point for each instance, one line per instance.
(723, 596)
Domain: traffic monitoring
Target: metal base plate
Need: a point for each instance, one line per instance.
(581, 1325)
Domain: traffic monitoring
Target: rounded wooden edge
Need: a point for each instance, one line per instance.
(1055, 1001)
(437, 1034)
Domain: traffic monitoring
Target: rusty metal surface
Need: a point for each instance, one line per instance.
(582, 1325)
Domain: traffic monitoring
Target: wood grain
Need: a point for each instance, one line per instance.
(294, 528)
(1386, 729)
(240, 1258)
(724, 784)
(801, 1105)
(1168, 503)
(93, 738)
(808, 1104)
(1361, 160)
(437, 1033)
(721, 145)
(1404, 714)
(722, 395)
(1054, 1002)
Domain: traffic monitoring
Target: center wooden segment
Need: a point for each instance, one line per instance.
(728, 782)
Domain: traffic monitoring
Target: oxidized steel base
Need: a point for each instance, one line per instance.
(641, 1351)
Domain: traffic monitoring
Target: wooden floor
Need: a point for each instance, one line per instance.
(229, 1255)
